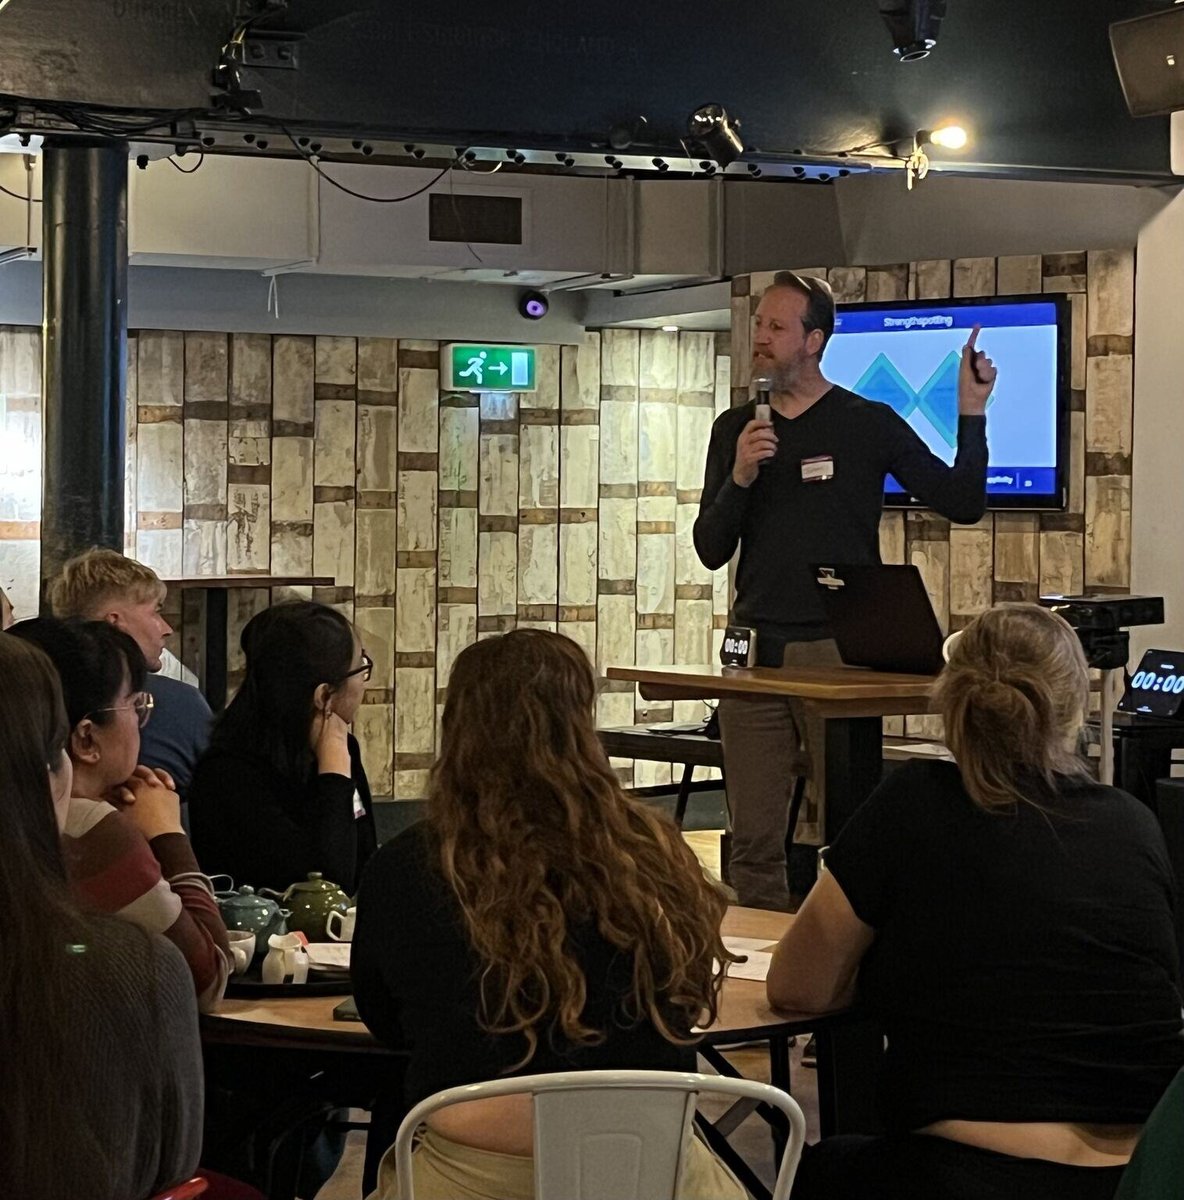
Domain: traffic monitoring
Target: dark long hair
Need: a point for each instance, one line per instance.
(92, 659)
(536, 837)
(291, 649)
(41, 982)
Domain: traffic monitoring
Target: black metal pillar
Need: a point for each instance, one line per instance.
(84, 347)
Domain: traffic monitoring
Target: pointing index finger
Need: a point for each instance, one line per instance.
(970, 341)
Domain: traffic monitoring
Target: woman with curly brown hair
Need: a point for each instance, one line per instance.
(538, 920)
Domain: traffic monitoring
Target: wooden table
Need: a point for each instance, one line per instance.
(848, 1048)
(215, 591)
(851, 699)
(308, 1021)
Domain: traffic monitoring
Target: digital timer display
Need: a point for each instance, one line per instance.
(1157, 688)
(738, 647)
(1149, 681)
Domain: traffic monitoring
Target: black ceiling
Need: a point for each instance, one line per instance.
(1034, 79)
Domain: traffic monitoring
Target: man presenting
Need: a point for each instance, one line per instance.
(807, 486)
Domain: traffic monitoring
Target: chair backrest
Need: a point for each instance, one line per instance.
(609, 1133)
(184, 1191)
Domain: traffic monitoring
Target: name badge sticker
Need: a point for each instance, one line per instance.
(819, 469)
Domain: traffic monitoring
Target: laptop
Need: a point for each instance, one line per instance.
(881, 617)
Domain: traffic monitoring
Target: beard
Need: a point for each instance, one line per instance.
(782, 377)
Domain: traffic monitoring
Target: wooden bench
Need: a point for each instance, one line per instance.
(691, 750)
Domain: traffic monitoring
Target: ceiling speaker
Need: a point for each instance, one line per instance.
(1149, 55)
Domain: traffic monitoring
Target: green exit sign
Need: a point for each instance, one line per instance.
(489, 368)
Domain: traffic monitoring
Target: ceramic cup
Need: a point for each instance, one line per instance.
(286, 960)
(346, 920)
(242, 947)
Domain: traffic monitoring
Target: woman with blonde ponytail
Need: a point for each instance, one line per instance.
(1009, 920)
(538, 920)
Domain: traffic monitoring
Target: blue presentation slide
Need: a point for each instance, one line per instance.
(908, 358)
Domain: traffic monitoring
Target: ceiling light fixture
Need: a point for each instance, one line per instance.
(715, 131)
(669, 328)
(949, 137)
(916, 163)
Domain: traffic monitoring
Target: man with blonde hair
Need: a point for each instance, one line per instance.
(104, 585)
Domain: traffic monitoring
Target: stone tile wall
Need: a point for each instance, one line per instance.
(442, 518)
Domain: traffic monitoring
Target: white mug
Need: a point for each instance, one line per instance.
(242, 948)
(348, 920)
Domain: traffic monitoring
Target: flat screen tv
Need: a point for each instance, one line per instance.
(906, 353)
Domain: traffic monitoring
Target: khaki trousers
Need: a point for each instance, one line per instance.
(767, 742)
(445, 1170)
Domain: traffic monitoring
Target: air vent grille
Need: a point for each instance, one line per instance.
(461, 217)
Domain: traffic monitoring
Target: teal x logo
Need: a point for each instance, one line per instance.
(937, 399)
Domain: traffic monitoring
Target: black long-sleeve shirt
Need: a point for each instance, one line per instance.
(259, 827)
(784, 523)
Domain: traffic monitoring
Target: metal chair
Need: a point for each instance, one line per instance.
(609, 1133)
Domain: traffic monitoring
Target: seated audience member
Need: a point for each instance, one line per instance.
(124, 847)
(281, 790)
(538, 920)
(103, 585)
(1009, 920)
(102, 1073)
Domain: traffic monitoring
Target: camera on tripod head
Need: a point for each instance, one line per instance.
(1102, 623)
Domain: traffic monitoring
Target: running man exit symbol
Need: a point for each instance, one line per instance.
(489, 368)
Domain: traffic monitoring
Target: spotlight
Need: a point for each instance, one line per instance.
(627, 133)
(711, 127)
(533, 305)
(914, 25)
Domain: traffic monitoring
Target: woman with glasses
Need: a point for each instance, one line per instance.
(125, 850)
(102, 1089)
(281, 790)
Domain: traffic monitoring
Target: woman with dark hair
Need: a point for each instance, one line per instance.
(538, 920)
(126, 851)
(281, 790)
(101, 1084)
(1009, 920)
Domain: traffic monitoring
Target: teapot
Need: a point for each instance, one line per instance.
(251, 913)
(309, 904)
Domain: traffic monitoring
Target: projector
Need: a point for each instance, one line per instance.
(1105, 613)
(1101, 622)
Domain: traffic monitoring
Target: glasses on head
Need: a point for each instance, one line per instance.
(142, 706)
(365, 670)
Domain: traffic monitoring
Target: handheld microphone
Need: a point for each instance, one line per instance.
(764, 410)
